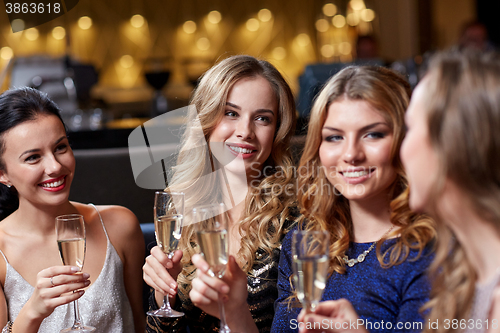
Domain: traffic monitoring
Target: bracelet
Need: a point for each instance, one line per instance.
(8, 328)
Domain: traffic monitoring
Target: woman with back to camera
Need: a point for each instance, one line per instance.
(36, 170)
(352, 184)
(452, 155)
(244, 109)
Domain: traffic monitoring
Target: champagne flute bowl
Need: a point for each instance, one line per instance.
(310, 266)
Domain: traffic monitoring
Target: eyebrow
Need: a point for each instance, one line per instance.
(258, 110)
(365, 128)
(37, 149)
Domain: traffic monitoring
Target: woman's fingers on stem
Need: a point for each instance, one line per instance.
(214, 283)
(158, 277)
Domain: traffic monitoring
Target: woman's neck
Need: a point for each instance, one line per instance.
(478, 237)
(370, 218)
(235, 187)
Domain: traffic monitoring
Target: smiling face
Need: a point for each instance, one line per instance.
(417, 154)
(243, 139)
(355, 150)
(38, 161)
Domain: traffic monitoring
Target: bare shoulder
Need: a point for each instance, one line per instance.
(119, 220)
(123, 229)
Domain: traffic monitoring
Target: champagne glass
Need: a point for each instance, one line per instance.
(310, 266)
(168, 217)
(213, 239)
(70, 232)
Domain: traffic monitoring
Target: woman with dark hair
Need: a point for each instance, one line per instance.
(452, 156)
(353, 185)
(36, 169)
(245, 111)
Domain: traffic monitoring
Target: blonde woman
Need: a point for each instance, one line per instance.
(352, 184)
(453, 121)
(245, 111)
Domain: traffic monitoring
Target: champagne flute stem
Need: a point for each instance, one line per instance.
(78, 321)
(166, 304)
(166, 301)
(223, 326)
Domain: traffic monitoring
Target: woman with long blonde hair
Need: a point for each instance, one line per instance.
(452, 155)
(244, 110)
(352, 184)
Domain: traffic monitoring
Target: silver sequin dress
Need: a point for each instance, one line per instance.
(104, 305)
(483, 299)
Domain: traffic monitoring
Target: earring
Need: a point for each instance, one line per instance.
(8, 185)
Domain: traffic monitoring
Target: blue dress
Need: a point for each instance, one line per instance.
(387, 299)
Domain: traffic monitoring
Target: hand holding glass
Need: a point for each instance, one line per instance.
(310, 266)
(70, 233)
(211, 231)
(168, 217)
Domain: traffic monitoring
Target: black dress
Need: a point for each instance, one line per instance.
(262, 292)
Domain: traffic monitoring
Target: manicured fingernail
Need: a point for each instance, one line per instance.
(173, 285)
(81, 292)
(75, 269)
(224, 289)
(87, 282)
(85, 275)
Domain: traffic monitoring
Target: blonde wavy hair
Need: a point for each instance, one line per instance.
(463, 118)
(265, 210)
(389, 93)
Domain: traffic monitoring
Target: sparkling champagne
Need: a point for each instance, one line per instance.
(168, 232)
(310, 279)
(72, 251)
(214, 246)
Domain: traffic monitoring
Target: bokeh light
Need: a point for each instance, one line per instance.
(137, 21)
(265, 15)
(252, 24)
(357, 4)
(327, 50)
(279, 53)
(303, 39)
(58, 33)
(329, 9)
(84, 22)
(6, 53)
(17, 25)
(126, 61)
(214, 17)
(32, 34)
(322, 25)
(367, 15)
(338, 21)
(203, 44)
(189, 27)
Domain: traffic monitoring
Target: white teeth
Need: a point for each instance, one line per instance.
(240, 150)
(54, 184)
(355, 174)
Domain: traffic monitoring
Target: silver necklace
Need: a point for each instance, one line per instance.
(362, 256)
